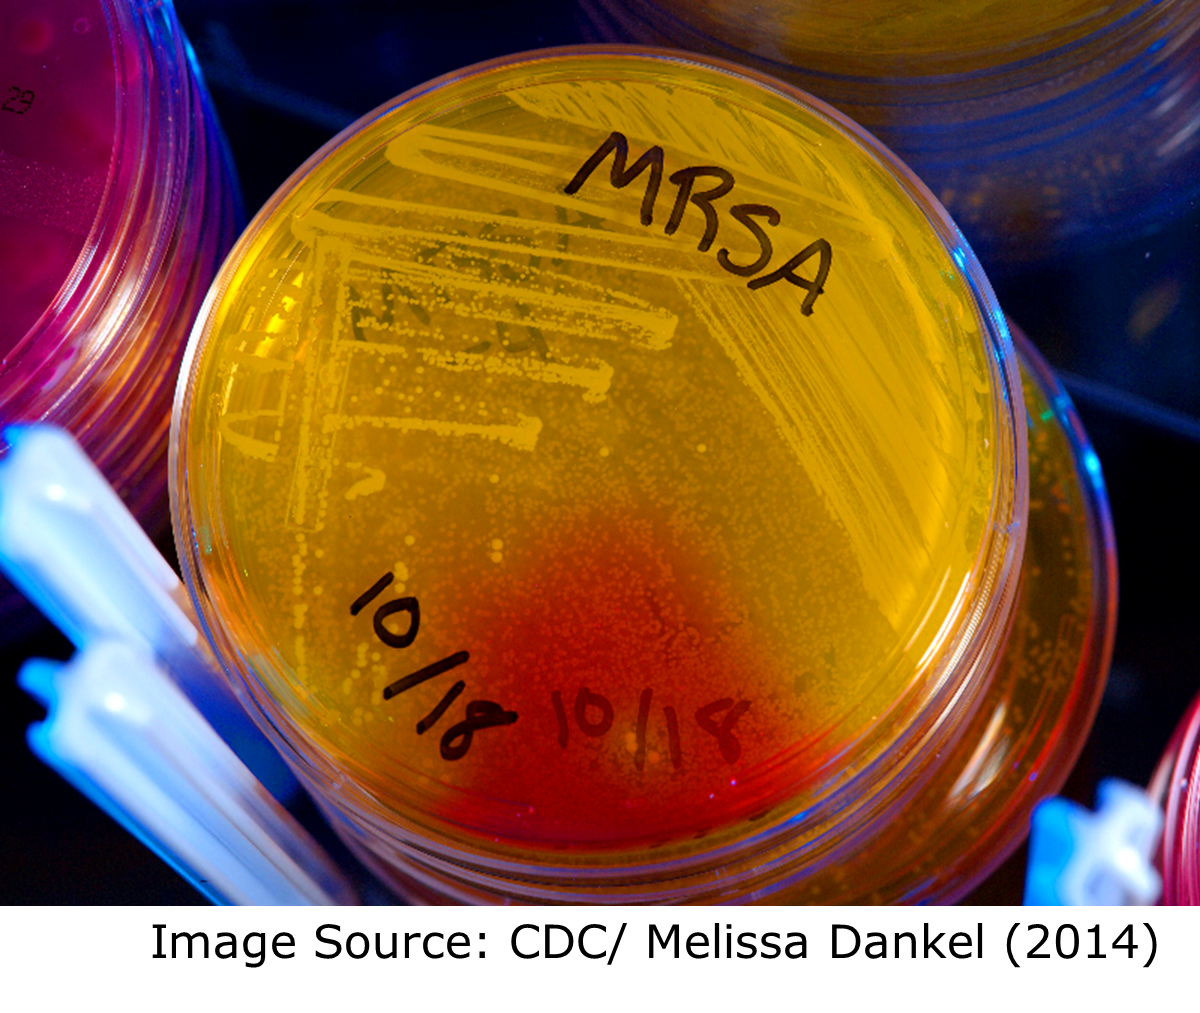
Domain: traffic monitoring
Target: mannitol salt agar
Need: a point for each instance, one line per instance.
(604, 467)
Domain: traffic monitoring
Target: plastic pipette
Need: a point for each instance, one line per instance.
(128, 736)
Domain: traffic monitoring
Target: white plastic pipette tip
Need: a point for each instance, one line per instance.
(119, 728)
(77, 553)
(122, 732)
(1078, 857)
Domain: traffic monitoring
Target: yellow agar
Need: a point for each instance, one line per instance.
(833, 35)
(700, 542)
(1022, 741)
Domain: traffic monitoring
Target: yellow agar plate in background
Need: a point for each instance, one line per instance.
(594, 451)
(844, 35)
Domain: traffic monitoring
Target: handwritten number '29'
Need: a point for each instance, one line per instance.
(17, 100)
(480, 713)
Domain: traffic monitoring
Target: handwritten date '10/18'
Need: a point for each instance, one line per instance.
(456, 742)
(594, 715)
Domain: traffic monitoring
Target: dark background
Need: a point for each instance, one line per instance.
(1120, 320)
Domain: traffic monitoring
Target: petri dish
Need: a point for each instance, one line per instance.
(604, 474)
(1041, 127)
(1028, 731)
(117, 203)
(1174, 789)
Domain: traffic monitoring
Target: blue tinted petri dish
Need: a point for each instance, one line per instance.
(1042, 127)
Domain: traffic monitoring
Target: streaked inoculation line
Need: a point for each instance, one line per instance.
(522, 435)
(649, 328)
(639, 238)
(467, 145)
(251, 446)
(239, 366)
(604, 106)
(261, 363)
(305, 228)
(460, 137)
(299, 493)
(595, 379)
(510, 222)
(405, 158)
(798, 386)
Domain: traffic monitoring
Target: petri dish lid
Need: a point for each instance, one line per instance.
(598, 448)
(58, 122)
(873, 38)
(1174, 790)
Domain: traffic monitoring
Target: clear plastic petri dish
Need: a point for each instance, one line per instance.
(604, 474)
(1174, 789)
(1041, 127)
(117, 203)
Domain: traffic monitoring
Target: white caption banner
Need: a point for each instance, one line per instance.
(602, 959)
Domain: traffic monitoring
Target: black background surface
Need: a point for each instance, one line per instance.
(287, 75)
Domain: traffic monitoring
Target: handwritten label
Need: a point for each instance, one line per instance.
(480, 714)
(594, 715)
(17, 100)
(689, 191)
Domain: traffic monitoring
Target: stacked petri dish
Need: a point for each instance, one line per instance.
(607, 476)
(1041, 127)
(1174, 789)
(117, 205)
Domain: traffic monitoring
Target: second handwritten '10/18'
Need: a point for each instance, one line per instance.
(594, 716)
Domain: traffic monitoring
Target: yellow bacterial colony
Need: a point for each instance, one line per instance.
(590, 451)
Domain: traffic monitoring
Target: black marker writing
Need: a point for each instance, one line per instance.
(685, 179)
(17, 100)
(746, 213)
(425, 674)
(432, 717)
(595, 715)
(730, 748)
(618, 146)
(398, 640)
(480, 713)
(652, 160)
(787, 272)
(586, 699)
